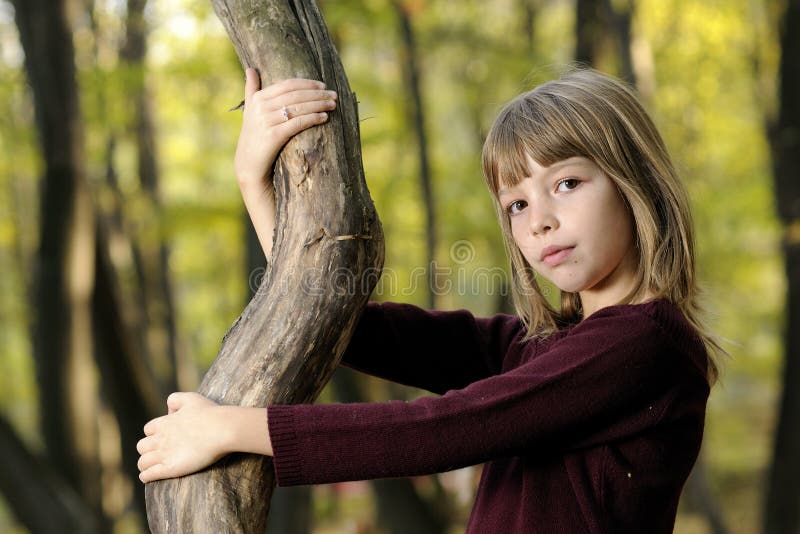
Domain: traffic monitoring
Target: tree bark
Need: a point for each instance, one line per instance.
(64, 273)
(326, 259)
(782, 506)
(291, 508)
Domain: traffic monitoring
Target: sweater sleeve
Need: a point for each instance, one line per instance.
(429, 349)
(612, 378)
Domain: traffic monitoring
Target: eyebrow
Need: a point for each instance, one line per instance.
(555, 166)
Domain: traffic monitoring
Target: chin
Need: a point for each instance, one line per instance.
(569, 286)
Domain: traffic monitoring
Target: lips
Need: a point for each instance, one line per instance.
(555, 254)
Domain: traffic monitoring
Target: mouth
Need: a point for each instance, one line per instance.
(553, 256)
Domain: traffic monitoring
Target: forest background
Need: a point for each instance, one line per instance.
(156, 81)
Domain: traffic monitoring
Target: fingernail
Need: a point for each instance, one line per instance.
(333, 94)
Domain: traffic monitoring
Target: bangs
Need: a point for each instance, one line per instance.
(532, 125)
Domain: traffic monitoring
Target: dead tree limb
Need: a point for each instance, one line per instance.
(326, 259)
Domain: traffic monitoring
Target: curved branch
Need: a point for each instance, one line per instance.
(327, 254)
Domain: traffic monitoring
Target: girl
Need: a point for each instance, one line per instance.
(589, 417)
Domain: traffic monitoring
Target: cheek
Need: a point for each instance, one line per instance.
(516, 230)
(520, 236)
(620, 237)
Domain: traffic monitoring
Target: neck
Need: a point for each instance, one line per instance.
(613, 288)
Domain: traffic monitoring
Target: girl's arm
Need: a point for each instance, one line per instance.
(265, 129)
(618, 376)
(195, 433)
(430, 349)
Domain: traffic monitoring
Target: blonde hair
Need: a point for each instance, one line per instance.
(589, 114)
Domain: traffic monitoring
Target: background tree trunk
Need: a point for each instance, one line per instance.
(326, 259)
(150, 247)
(40, 498)
(588, 30)
(782, 507)
(416, 116)
(65, 271)
(128, 384)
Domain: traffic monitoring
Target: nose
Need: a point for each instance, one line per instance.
(541, 218)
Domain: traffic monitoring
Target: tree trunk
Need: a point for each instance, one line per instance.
(38, 496)
(528, 17)
(621, 20)
(587, 30)
(417, 118)
(700, 497)
(151, 249)
(782, 507)
(291, 509)
(128, 384)
(64, 276)
(326, 259)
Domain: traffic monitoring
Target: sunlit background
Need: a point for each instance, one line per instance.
(706, 70)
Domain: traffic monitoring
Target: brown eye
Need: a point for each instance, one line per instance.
(520, 204)
(570, 183)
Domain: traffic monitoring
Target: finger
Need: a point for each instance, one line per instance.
(298, 124)
(154, 472)
(150, 427)
(148, 460)
(307, 108)
(252, 82)
(292, 84)
(175, 401)
(295, 98)
(145, 445)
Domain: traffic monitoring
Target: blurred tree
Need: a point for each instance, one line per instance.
(127, 382)
(588, 30)
(41, 499)
(416, 116)
(603, 35)
(782, 513)
(64, 281)
(151, 250)
(529, 9)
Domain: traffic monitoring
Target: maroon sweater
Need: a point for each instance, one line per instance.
(594, 429)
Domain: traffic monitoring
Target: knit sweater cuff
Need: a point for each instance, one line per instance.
(285, 446)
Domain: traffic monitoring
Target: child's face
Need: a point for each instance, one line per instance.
(574, 204)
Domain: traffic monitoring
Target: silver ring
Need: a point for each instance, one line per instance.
(285, 114)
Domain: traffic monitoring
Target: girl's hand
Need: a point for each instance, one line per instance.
(191, 436)
(272, 116)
